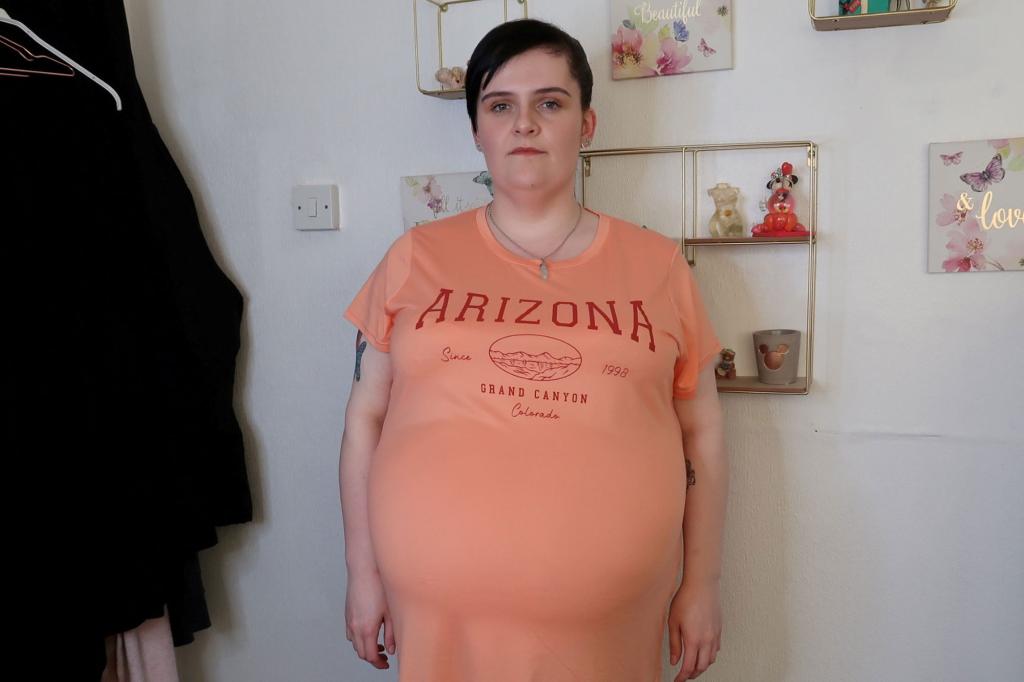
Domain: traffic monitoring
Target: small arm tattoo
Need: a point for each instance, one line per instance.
(691, 478)
(360, 347)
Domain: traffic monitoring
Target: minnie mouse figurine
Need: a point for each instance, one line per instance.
(781, 221)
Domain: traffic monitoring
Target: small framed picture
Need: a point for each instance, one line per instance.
(667, 37)
(976, 205)
(430, 197)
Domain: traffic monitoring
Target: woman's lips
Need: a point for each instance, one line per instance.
(525, 151)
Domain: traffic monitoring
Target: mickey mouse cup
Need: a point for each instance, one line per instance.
(778, 355)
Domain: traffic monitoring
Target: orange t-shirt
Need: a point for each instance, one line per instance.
(526, 495)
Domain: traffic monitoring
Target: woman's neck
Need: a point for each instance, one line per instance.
(538, 227)
(535, 218)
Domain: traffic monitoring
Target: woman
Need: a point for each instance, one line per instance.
(528, 376)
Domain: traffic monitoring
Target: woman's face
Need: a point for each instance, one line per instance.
(530, 123)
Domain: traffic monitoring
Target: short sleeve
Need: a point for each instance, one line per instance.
(699, 342)
(373, 308)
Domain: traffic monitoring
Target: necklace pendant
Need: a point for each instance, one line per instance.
(543, 269)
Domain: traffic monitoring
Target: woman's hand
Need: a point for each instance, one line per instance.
(695, 625)
(365, 608)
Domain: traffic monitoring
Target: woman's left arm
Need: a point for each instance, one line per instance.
(695, 621)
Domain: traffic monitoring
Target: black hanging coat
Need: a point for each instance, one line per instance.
(124, 333)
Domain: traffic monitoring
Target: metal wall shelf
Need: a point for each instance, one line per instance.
(442, 8)
(689, 243)
(745, 241)
(747, 384)
(923, 15)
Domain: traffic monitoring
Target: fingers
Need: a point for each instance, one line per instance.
(364, 641)
(359, 643)
(697, 656)
(703, 661)
(389, 634)
(689, 661)
(373, 653)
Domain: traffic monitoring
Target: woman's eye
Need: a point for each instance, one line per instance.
(553, 104)
(500, 106)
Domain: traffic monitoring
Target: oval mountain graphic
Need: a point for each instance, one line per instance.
(535, 357)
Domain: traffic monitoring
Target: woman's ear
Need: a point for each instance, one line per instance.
(589, 124)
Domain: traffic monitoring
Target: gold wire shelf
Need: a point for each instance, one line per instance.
(906, 17)
(727, 241)
(688, 193)
(442, 8)
(748, 384)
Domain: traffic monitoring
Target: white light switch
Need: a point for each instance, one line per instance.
(315, 207)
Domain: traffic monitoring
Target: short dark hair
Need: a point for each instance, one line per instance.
(512, 38)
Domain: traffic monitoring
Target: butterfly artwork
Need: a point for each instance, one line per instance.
(679, 30)
(485, 179)
(975, 219)
(1012, 150)
(981, 180)
(669, 37)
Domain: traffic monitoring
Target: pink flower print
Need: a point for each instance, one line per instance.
(626, 46)
(673, 58)
(966, 248)
(951, 214)
(433, 196)
(627, 56)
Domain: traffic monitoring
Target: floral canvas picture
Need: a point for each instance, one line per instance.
(666, 37)
(430, 197)
(976, 206)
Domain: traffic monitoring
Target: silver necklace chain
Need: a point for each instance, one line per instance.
(543, 259)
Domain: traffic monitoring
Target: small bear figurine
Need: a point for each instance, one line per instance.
(451, 79)
(726, 369)
(781, 220)
(773, 359)
(726, 221)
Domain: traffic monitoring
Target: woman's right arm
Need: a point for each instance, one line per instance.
(364, 418)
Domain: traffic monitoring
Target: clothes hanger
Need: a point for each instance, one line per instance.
(26, 63)
(5, 18)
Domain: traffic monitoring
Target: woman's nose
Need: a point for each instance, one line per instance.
(525, 124)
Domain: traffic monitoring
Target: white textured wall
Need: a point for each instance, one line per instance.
(876, 528)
